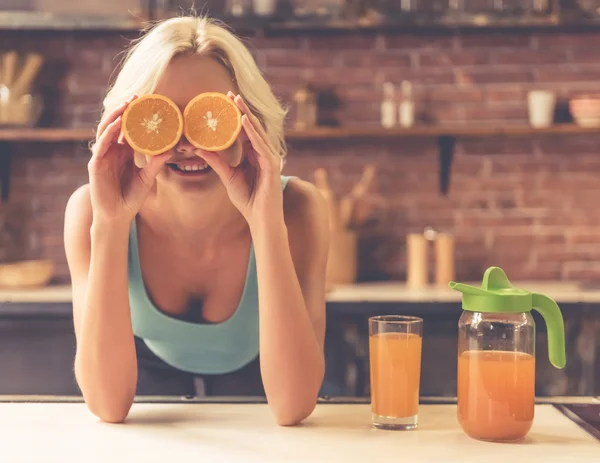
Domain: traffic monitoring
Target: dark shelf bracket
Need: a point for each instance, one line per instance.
(5, 164)
(446, 146)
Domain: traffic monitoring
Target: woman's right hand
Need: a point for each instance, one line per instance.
(118, 187)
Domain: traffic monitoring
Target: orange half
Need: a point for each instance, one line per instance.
(212, 121)
(152, 124)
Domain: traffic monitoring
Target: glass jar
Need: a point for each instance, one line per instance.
(496, 356)
(496, 374)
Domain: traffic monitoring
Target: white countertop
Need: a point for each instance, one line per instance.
(36, 432)
(561, 291)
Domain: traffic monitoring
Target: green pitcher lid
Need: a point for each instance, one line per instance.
(497, 295)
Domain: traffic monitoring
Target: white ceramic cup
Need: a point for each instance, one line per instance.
(541, 105)
(264, 7)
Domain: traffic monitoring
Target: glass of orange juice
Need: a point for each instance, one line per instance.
(395, 358)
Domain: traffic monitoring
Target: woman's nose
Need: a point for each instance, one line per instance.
(184, 146)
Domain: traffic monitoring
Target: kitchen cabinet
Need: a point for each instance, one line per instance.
(36, 357)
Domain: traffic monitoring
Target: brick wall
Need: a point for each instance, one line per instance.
(526, 204)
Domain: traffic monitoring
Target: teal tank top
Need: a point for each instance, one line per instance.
(194, 347)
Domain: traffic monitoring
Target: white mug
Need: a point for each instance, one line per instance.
(541, 108)
(264, 7)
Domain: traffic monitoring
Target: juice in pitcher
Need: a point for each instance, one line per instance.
(496, 392)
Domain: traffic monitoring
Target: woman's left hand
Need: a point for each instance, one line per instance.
(254, 186)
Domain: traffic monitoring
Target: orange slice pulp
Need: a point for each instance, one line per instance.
(152, 124)
(212, 121)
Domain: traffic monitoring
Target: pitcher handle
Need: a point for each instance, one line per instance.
(552, 315)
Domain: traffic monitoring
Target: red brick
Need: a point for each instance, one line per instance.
(457, 58)
(582, 145)
(408, 41)
(87, 59)
(477, 113)
(298, 58)
(491, 40)
(361, 112)
(398, 59)
(529, 57)
(584, 236)
(374, 59)
(274, 43)
(424, 76)
(467, 166)
(587, 55)
(496, 76)
(581, 271)
(330, 76)
(484, 220)
(86, 82)
(503, 93)
(283, 76)
(576, 39)
(365, 92)
(440, 113)
(570, 218)
(572, 74)
(575, 167)
(342, 42)
(504, 146)
(548, 271)
(530, 167)
(451, 94)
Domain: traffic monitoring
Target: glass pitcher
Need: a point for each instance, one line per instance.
(496, 356)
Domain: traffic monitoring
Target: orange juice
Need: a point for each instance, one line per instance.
(395, 373)
(496, 393)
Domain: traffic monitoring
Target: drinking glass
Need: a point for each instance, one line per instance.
(395, 369)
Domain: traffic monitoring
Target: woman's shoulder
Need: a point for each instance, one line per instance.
(79, 206)
(302, 200)
(305, 209)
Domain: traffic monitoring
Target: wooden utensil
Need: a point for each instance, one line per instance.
(32, 65)
(9, 66)
(352, 209)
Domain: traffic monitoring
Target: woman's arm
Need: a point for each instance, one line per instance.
(105, 360)
(291, 258)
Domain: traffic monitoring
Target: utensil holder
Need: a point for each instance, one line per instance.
(342, 261)
(19, 110)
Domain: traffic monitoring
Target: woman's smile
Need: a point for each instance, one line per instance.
(192, 167)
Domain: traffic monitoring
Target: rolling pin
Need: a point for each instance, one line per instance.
(9, 65)
(22, 85)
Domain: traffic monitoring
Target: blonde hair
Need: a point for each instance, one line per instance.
(149, 56)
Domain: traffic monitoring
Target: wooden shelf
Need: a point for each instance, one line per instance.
(46, 135)
(414, 24)
(326, 133)
(41, 21)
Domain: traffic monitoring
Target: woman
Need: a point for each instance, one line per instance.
(180, 275)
